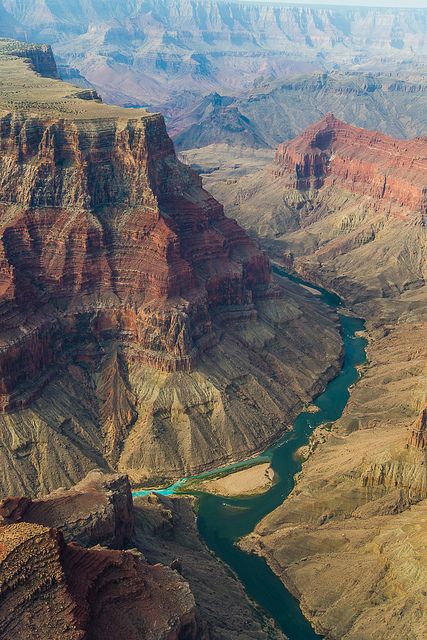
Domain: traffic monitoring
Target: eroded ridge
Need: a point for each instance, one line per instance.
(332, 152)
(105, 232)
(139, 327)
(50, 581)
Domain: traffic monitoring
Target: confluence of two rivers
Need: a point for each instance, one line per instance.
(222, 521)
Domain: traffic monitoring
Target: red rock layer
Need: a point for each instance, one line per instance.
(49, 582)
(357, 160)
(98, 510)
(105, 235)
(55, 590)
(418, 437)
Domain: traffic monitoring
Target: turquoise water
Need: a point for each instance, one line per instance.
(222, 521)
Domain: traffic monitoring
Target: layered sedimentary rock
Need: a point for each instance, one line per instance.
(346, 208)
(363, 162)
(418, 437)
(139, 327)
(40, 57)
(155, 52)
(50, 582)
(97, 510)
(334, 202)
(349, 541)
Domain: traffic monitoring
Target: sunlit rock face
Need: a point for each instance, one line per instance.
(332, 152)
(103, 210)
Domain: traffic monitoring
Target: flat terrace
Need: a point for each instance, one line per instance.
(22, 90)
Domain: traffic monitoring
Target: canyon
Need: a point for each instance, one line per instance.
(169, 54)
(144, 336)
(48, 579)
(141, 330)
(345, 208)
(74, 561)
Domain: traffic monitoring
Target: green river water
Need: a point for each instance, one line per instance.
(222, 521)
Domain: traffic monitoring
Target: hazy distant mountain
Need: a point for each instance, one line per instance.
(281, 110)
(151, 51)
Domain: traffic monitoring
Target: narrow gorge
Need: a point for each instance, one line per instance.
(346, 208)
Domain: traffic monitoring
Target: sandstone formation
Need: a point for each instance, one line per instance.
(139, 327)
(50, 582)
(334, 201)
(362, 162)
(346, 208)
(418, 438)
(59, 572)
(97, 510)
(350, 540)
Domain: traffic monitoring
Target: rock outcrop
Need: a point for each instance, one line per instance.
(39, 56)
(48, 581)
(139, 328)
(332, 153)
(342, 205)
(418, 437)
(97, 510)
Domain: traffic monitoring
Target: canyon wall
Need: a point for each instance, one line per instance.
(102, 209)
(87, 563)
(139, 327)
(363, 162)
(346, 208)
(50, 581)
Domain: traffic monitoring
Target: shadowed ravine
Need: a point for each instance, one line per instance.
(222, 521)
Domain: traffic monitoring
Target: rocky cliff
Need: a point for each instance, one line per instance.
(97, 510)
(136, 320)
(356, 160)
(166, 532)
(418, 437)
(50, 582)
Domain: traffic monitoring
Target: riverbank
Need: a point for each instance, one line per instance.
(224, 520)
(349, 541)
(253, 480)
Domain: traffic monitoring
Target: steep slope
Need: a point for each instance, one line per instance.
(346, 207)
(166, 532)
(139, 327)
(145, 51)
(50, 582)
(63, 569)
(350, 201)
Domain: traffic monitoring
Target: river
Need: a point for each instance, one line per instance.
(222, 521)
